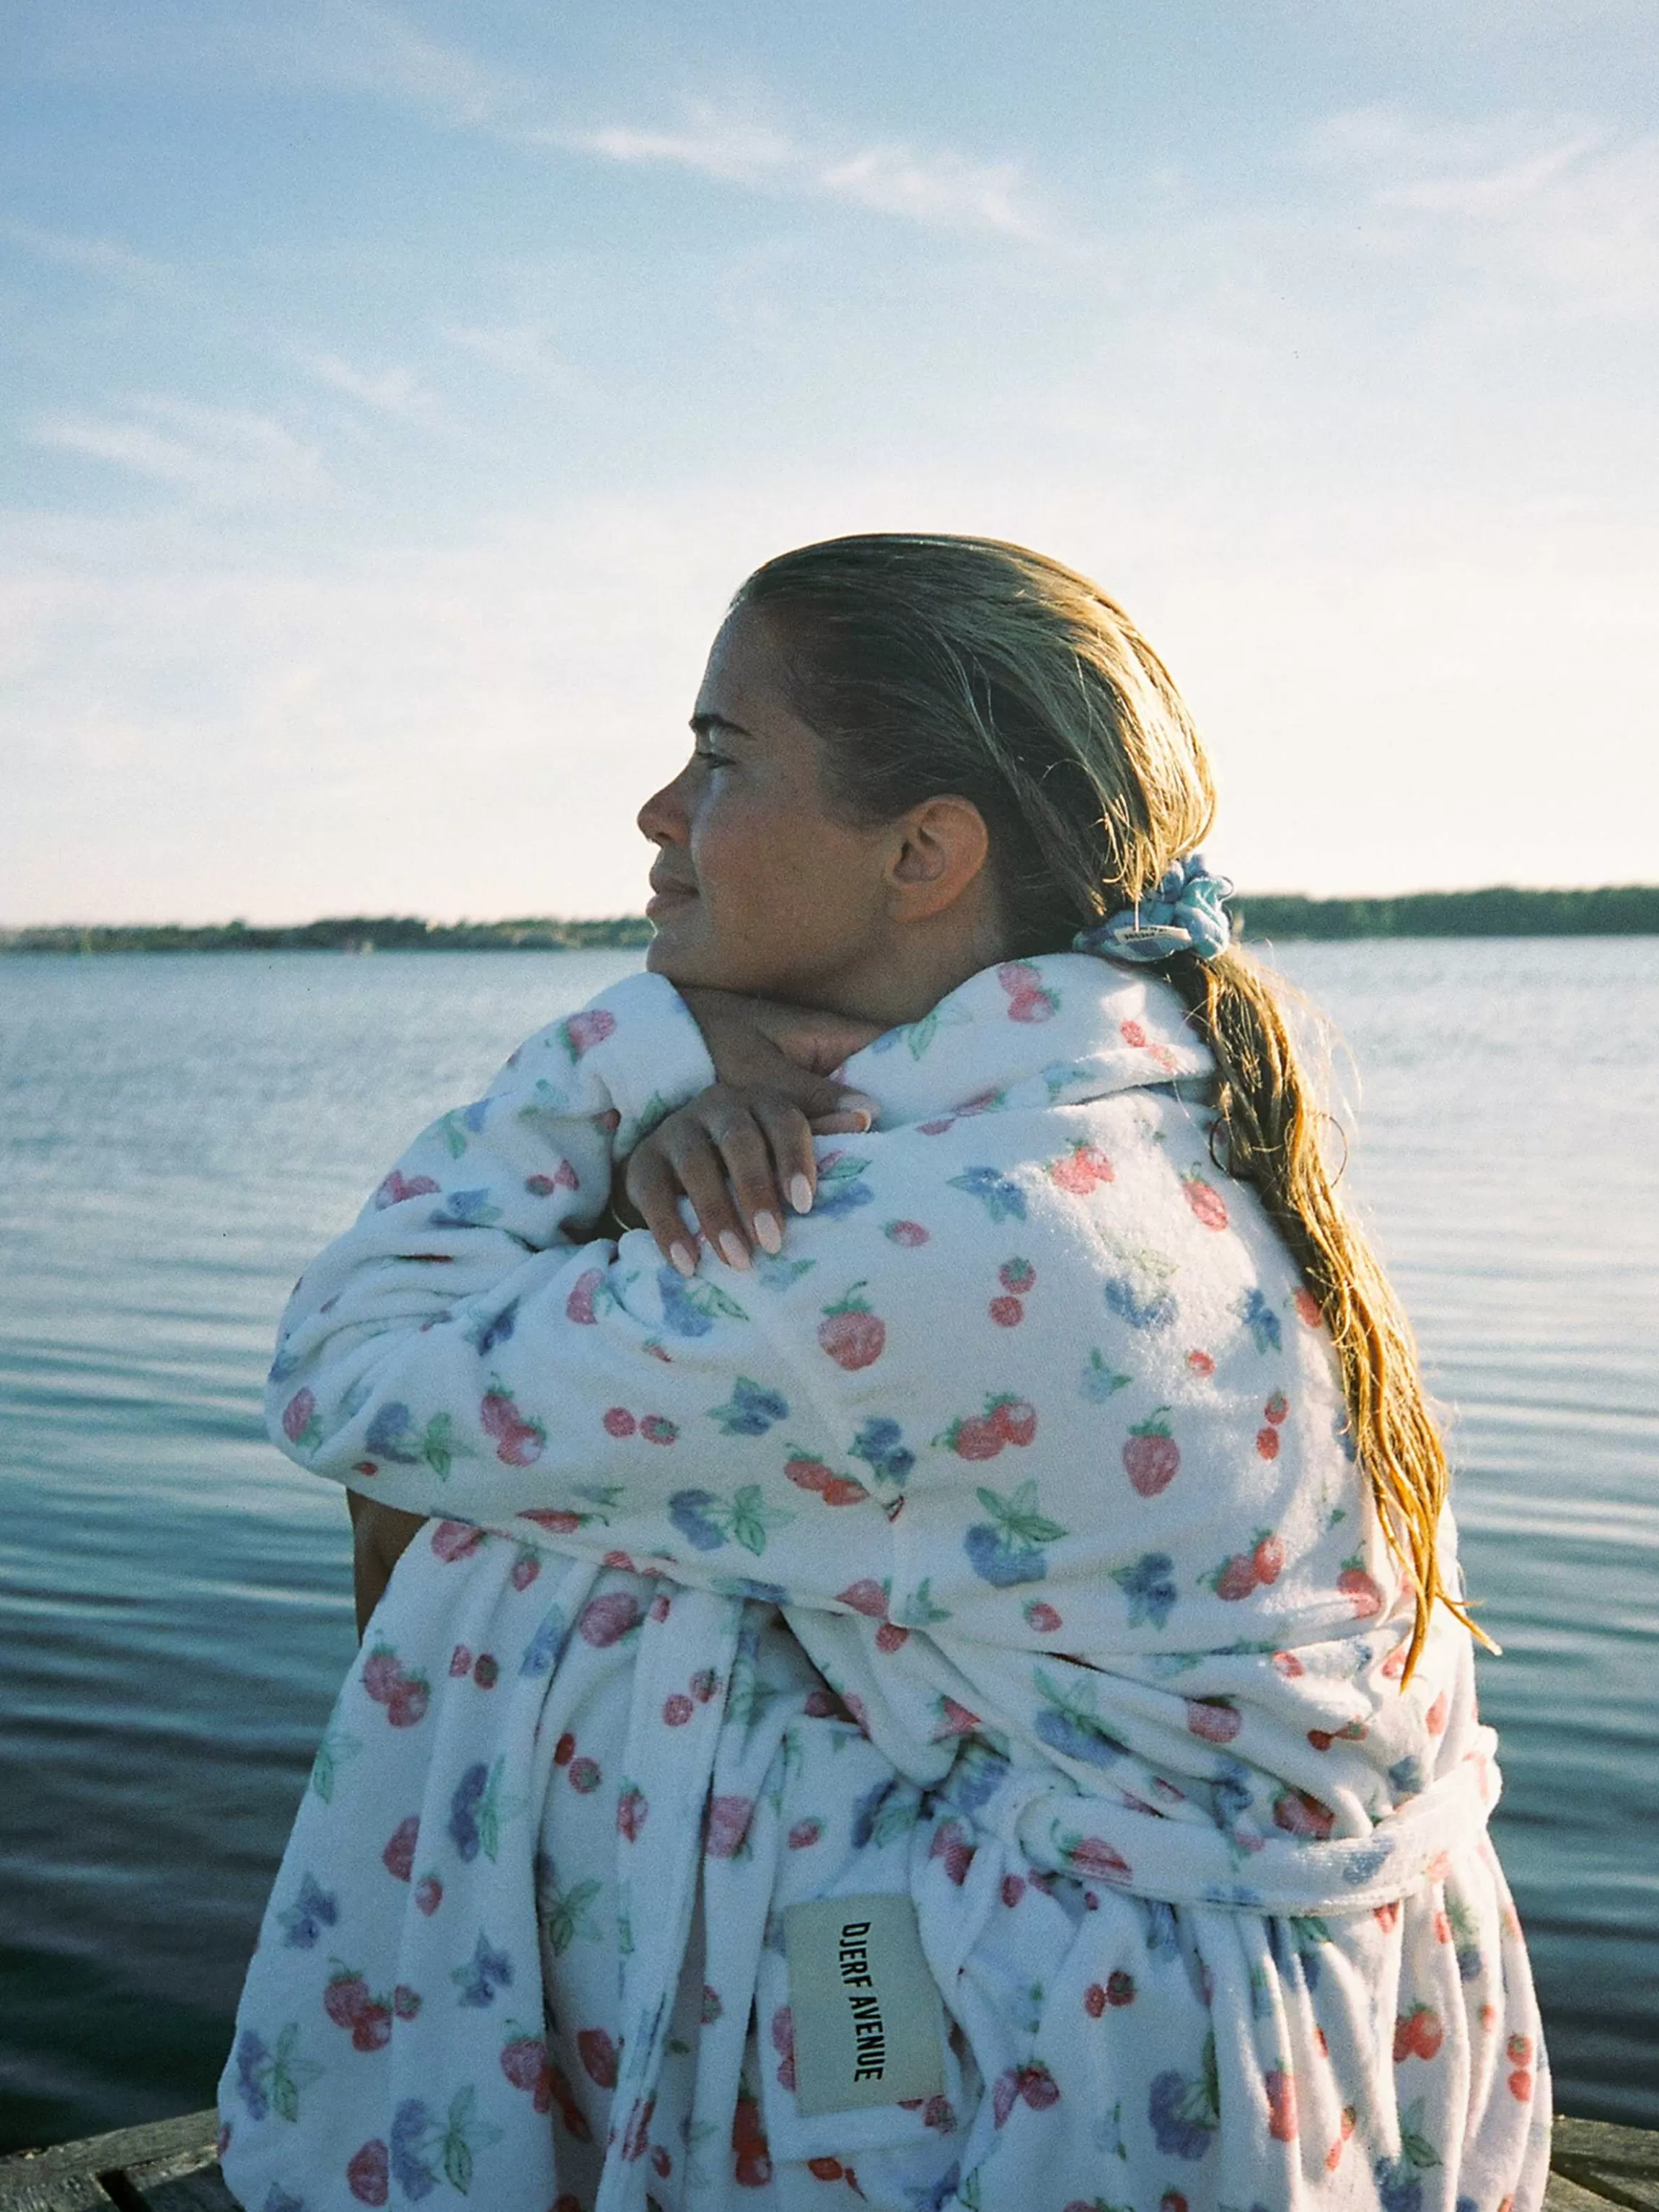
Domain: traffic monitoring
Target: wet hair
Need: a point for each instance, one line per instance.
(936, 665)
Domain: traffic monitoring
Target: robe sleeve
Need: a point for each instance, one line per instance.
(463, 1350)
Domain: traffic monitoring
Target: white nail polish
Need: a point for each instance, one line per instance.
(733, 1249)
(768, 1232)
(684, 1258)
(800, 1194)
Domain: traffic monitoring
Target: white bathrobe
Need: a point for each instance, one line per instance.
(997, 1546)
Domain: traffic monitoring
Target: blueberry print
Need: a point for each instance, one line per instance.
(487, 1334)
(487, 1972)
(1142, 1306)
(464, 1809)
(1259, 1318)
(390, 1434)
(541, 1654)
(751, 1410)
(313, 1910)
(1003, 1199)
(1149, 1585)
(841, 1186)
(880, 1444)
(465, 1209)
(1183, 2111)
(997, 1543)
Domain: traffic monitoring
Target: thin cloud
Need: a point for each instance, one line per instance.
(363, 47)
(94, 257)
(943, 190)
(523, 349)
(223, 457)
(735, 152)
(394, 391)
(1566, 202)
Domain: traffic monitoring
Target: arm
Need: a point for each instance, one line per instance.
(457, 1351)
(380, 1534)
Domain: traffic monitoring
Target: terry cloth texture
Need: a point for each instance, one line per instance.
(1000, 1543)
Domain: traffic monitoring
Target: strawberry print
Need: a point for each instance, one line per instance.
(1217, 1720)
(519, 1442)
(909, 1236)
(1152, 1457)
(564, 1177)
(1082, 1169)
(1362, 1590)
(1205, 1200)
(1027, 998)
(583, 1303)
(1280, 2088)
(300, 1423)
(583, 1032)
(398, 1189)
(1417, 2034)
(852, 1334)
(809, 1474)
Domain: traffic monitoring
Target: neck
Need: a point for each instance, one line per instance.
(906, 977)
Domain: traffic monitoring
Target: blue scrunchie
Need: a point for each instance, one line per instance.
(1185, 914)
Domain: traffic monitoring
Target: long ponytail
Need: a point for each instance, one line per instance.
(937, 664)
(1269, 1131)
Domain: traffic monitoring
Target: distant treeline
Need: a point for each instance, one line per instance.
(1618, 910)
(349, 933)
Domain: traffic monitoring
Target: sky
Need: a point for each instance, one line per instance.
(392, 397)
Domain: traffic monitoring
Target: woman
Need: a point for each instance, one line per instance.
(1035, 1557)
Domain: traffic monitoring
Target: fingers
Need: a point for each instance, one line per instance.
(742, 1158)
(714, 1152)
(654, 1188)
(789, 1139)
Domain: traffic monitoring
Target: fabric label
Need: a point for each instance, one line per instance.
(867, 2018)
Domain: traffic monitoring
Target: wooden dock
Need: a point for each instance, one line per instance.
(170, 2166)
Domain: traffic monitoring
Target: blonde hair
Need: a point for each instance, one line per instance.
(962, 664)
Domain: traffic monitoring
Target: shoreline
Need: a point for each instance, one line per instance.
(1500, 911)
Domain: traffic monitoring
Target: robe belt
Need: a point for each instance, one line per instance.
(1055, 1823)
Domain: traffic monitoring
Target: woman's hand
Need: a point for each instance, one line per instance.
(380, 1534)
(746, 1143)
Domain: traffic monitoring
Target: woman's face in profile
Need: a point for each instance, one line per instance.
(756, 887)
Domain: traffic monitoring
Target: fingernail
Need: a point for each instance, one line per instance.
(770, 1231)
(800, 1194)
(684, 1258)
(855, 1102)
(733, 1249)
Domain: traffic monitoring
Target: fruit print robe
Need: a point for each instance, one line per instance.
(998, 1543)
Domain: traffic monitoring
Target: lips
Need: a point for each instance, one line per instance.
(665, 894)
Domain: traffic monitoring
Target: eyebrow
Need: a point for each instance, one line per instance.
(702, 724)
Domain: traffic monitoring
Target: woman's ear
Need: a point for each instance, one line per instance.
(941, 851)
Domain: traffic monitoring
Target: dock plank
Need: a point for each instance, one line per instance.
(68, 2177)
(1620, 2165)
(171, 2166)
(1561, 2195)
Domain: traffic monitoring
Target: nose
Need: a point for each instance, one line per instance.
(662, 818)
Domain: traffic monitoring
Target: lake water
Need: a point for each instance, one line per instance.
(178, 1135)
